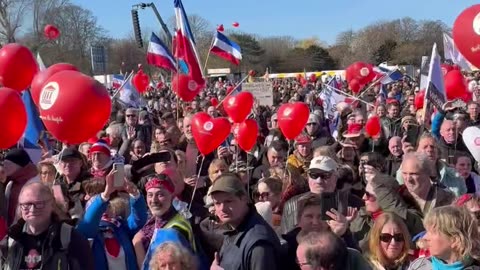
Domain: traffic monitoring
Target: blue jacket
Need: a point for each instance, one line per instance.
(91, 226)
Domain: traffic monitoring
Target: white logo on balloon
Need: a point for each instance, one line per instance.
(192, 85)
(476, 24)
(49, 95)
(208, 126)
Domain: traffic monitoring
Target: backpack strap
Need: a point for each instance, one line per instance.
(65, 235)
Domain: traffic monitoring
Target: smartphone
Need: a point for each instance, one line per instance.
(412, 135)
(329, 201)
(119, 177)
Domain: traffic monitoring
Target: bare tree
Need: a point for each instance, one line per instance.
(12, 14)
(40, 13)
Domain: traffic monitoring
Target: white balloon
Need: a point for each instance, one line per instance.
(471, 138)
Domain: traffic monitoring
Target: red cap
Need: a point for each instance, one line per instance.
(302, 139)
(353, 130)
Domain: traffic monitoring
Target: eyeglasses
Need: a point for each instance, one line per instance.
(317, 175)
(370, 197)
(311, 124)
(37, 205)
(387, 238)
(131, 115)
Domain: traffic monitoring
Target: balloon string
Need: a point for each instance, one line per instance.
(233, 90)
(196, 183)
(286, 160)
(248, 177)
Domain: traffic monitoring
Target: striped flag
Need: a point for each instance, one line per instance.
(158, 54)
(226, 49)
(390, 76)
(34, 131)
(130, 97)
(451, 53)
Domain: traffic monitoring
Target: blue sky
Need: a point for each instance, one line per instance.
(300, 18)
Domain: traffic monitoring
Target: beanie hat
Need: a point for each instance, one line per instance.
(19, 157)
(100, 146)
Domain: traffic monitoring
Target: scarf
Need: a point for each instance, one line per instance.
(439, 265)
(103, 171)
(376, 214)
(155, 223)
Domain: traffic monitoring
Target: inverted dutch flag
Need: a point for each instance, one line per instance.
(158, 54)
(185, 49)
(130, 97)
(390, 76)
(117, 81)
(226, 49)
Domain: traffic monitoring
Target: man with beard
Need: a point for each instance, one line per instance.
(166, 223)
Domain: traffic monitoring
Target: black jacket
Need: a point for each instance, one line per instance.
(77, 256)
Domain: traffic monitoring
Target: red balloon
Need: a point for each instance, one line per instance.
(299, 77)
(14, 117)
(42, 76)
(239, 106)
(313, 77)
(446, 68)
(292, 118)
(230, 89)
(214, 101)
(349, 74)
(159, 85)
(141, 81)
(51, 32)
(74, 106)
(373, 126)
(235, 24)
(303, 82)
(247, 134)
(467, 97)
(209, 132)
(366, 74)
(419, 100)
(17, 66)
(186, 87)
(466, 34)
(455, 85)
(355, 86)
(220, 28)
(251, 73)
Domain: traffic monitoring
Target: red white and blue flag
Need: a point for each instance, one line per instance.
(158, 54)
(185, 49)
(226, 49)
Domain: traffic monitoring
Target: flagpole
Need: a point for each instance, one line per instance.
(208, 54)
(354, 97)
(374, 83)
(123, 84)
(235, 88)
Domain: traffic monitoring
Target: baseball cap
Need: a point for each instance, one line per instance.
(323, 163)
(69, 153)
(229, 183)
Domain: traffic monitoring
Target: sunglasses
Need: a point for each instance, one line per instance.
(311, 124)
(387, 238)
(317, 175)
(370, 197)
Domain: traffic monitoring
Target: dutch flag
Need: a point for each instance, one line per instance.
(226, 49)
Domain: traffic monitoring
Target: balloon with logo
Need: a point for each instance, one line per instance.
(366, 74)
(14, 117)
(141, 81)
(292, 118)
(239, 106)
(419, 99)
(466, 34)
(186, 87)
(51, 32)
(247, 134)
(209, 132)
(214, 101)
(455, 85)
(373, 126)
(17, 66)
(471, 138)
(74, 106)
(42, 76)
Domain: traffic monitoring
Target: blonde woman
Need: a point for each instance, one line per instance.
(172, 257)
(452, 238)
(217, 167)
(389, 243)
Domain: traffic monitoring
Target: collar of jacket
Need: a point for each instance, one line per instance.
(15, 231)
(244, 225)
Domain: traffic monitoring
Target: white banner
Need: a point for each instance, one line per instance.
(261, 91)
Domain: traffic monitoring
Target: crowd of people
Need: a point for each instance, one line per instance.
(408, 198)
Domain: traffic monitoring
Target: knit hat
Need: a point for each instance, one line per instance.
(100, 146)
(19, 157)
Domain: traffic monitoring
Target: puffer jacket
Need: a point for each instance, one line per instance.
(290, 210)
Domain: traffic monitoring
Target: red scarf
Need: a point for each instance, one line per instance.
(376, 214)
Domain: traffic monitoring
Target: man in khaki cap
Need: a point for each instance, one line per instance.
(250, 242)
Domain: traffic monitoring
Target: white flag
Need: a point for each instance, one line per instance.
(451, 53)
